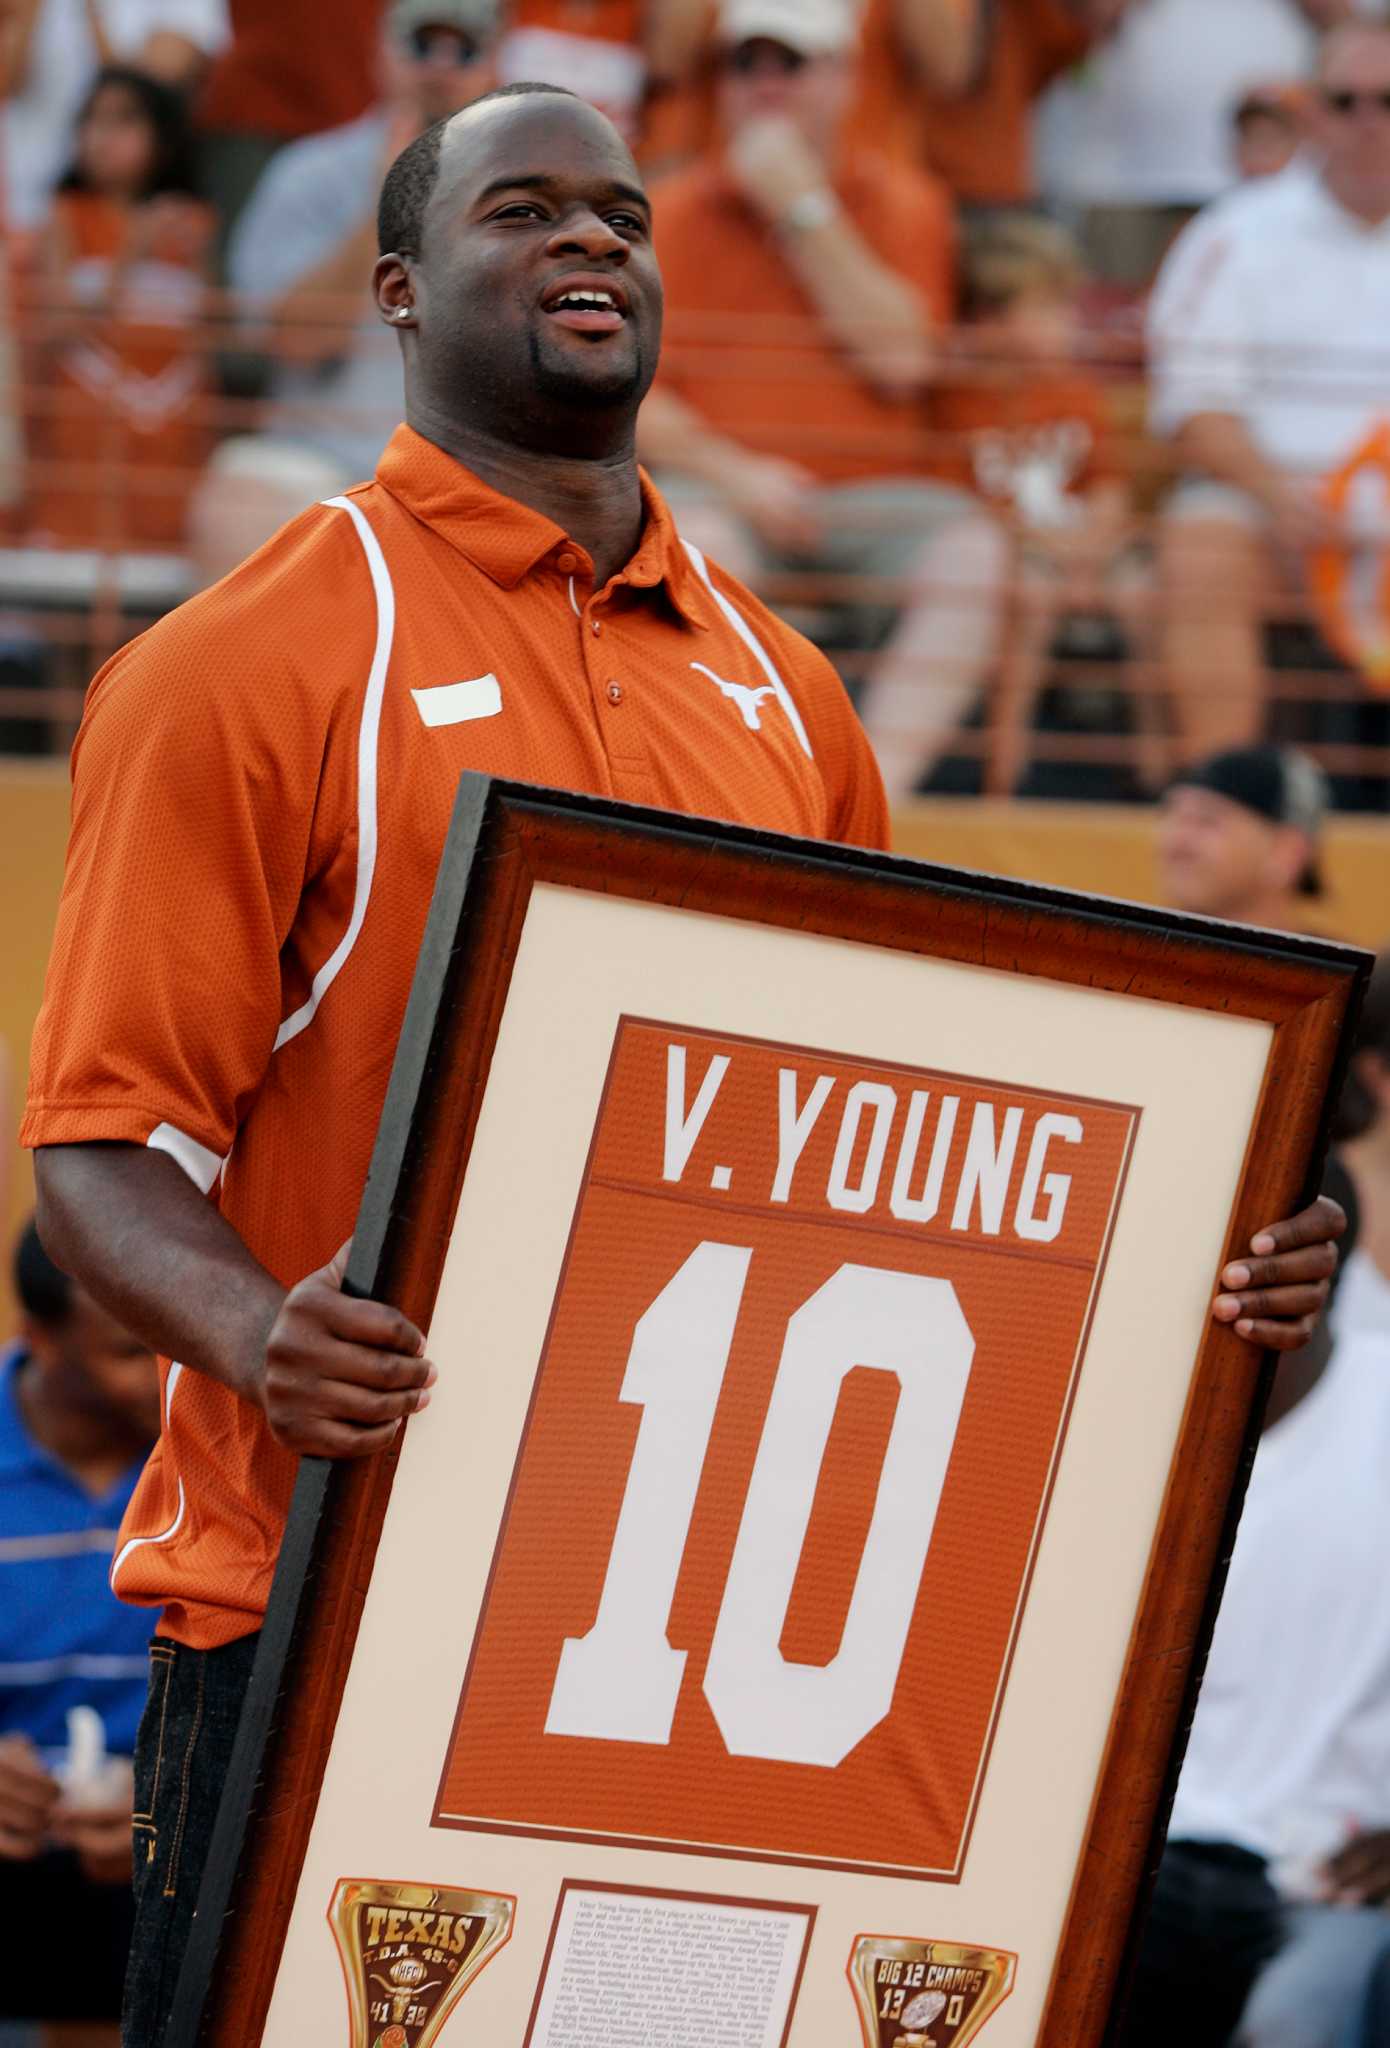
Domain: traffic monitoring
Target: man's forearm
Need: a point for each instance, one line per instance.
(129, 1225)
(871, 313)
(315, 316)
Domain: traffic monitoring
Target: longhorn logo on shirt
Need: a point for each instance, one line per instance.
(926, 1994)
(409, 1952)
(747, 700)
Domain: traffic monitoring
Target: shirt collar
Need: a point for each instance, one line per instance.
(507, 540)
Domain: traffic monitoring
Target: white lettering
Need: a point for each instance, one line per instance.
(987, 1169)
(682, 1131)
(1056, 1187)
(794, 1126)
(879, 1097)
(904, 1204)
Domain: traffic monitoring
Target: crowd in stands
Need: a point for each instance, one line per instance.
(1032, 354)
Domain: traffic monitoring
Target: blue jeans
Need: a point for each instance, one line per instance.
(1316, 1989)
(181, 1758)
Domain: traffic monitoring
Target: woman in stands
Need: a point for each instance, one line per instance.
(119, 381)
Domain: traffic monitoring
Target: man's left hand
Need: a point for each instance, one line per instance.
(1359, 1874)
(1275, 1296)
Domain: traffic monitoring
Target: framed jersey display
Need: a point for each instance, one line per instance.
(779, 1630)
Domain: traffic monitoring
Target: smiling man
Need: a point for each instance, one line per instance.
(262, 786)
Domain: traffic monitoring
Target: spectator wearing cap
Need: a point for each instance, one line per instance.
(79, 1409)
(1238, 837)
(1268, 333)
(805, 287)
(297, 263)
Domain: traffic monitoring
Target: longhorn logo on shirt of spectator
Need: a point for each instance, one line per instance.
(747, 700)
(1034, 468)
(926, 1994)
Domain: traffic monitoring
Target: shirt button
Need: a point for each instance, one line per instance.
(615, 692)
(567, 562)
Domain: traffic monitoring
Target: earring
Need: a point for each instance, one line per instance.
(401, 312)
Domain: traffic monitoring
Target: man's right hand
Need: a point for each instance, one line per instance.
(340, 1375)
(778, 500)
(28, 1796)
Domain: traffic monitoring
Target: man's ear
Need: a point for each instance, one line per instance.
(394, 290)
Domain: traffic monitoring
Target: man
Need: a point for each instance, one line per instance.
(1266, 317)
(79, 1409)
(788, 422)
(1277, 1867)
(1238, 837)
(261, 791)
(298, 262)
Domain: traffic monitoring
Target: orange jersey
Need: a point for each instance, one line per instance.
(121, 425)
(745, 346)
(261, 789)
(995, 426)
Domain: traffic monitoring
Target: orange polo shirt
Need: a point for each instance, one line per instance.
(982, 142)
(261, 789)
(745, 346)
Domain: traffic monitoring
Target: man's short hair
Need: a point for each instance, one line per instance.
(44, 1290)
(405, 196)
(1013, 255)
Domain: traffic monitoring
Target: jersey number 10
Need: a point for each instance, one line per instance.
(621, 1682)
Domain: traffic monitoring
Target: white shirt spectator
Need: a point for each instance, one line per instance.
(62, 62)
(1363, 1299)
(1146, 121)
(1290, 1749)
(312, 196)
(1274, 305)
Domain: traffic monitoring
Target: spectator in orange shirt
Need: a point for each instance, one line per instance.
(978, 135)
(1020, 421)
(805, 285)
(120, 371)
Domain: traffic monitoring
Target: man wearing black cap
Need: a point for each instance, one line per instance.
(1238, 837)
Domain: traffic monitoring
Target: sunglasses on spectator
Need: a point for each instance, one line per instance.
(433, 42)
(746, 58)
(1342, 100)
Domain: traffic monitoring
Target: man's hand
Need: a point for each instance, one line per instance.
(777, 499)
(100, 1837)
(340, 1375)
(1359, 1874)
(28, 1796)
(1276, 1296)
(774, 165)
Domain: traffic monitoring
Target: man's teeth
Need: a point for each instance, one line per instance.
(605, 299)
